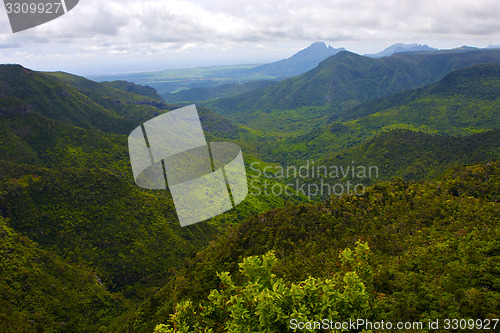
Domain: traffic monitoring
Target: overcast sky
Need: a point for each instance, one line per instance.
(111, 36)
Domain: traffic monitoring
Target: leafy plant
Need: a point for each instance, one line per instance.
(266, 303)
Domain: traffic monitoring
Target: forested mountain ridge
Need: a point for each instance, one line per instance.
(57, 100)
(347, 79)
(414, 155)
(426, 238)
(135, 88)
(463, 102)
(174, 80)
(474, 82)
(63, 119)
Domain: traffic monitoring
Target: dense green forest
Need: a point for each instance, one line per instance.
(433, 254)
(41, 292)
(86, 250)
(66, 185)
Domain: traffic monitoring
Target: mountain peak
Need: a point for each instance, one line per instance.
(400, 47)
(317, 50)
(466, 47)
(300, 62)
(317, 44)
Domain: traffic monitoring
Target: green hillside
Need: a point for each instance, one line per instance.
(57, 100)
(340, 83)
(474, 82)
(122, 103)
(79, 128)
(434, 254)
(136, 108)
(135, 88)
(416, 155)
(463, 102)
(93, 217)
(33, 139)
(40, 292)
(410, 155)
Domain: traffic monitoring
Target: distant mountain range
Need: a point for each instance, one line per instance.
(346, 80)
(233, 78)
(400, 47)
(225, 81)
(299, 63)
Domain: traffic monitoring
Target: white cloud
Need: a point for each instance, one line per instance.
(133, 27)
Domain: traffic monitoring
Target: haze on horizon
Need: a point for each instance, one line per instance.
(118, 36)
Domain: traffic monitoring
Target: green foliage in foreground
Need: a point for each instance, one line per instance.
(435, 248)
(266, 303)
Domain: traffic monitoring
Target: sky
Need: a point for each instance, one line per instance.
(124, 36)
